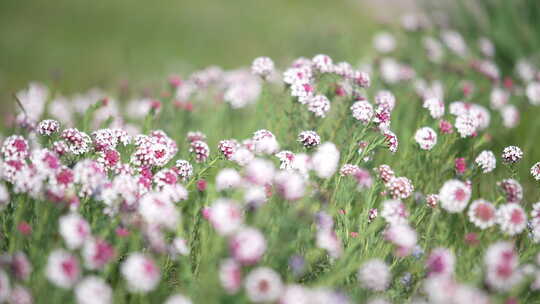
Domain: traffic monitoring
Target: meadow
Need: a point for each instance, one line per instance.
(278, 159)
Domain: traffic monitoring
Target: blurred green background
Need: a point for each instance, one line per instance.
(74, 45)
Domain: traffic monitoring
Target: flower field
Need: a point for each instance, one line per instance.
(409, 175)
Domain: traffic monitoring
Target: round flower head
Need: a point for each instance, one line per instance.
(78, 142)
(48, 127)
(441, 261)
(512, 154)
(309, 139)
(374, 275)
(227, 179)
(286, 159)
(435, 107)
(511, 218)
(156, 208)
(348, 170)
(363, 178)
(394, 212)
(385, 173)
(230, 276)
(372, 214)
(323, 63)
(295, 294)
(512, 190)
(184, 169)
(15, 147)
(265, 142)
(403, 237)
(227, 147)
(384, 42)
(385, 99)
(362, 111)
(466, 125)
(361, 79)
(325, 161)
(510, 116)
(62, 268)
(93, 290)
(535, 171)
(432, 200)
(486, 161)
(400, 187)
(260, 171)
(200, 150)
(302, 90)
(226, 216)
(247, 246)
(391, 140)
(263, 285)
(454, 196)
(20, 295)
(195, 135)
(502, 264)
(97, 253)
(262, 66)
(290, 185)
(74, 229)
(141, 273)
(319, 105)
(242, 156)
(426, 137)
(498, 98)
(482, 213)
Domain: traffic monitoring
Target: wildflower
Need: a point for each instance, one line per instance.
(372, 214)
(482, 213)
(461, 165)
(265, 142)
(260, 171)
(502, 263)
(230, 276)
(510, 116)
(263, 285)
(445, 127)
(435, 107)
(385, 99)
(328, 240)
(20, 295)
(319, 105)
(225, 216)
(157, 209)
(384, 42)
(498, 98)
(309, 139)
(400, 187)
(512, 154)
(200, 149)
(466, 125)
(97, 253)
(426, 138)
(48, 127)
(362, 111)
(178, 299)
(242, 156)
(403, 237)
(382, 118)
(454, 41)
(535, 214)
(78, 142)
(141, 273)
(247, 246)
(454, 196)
(323, 63)
(385, 173)
(74, 229)
(511, 218)
(440, 262)
(533, 93)
(363, 179)
(486, 161)
(294, 294)
(195, 135)
(287, 159)
(374, 275)
(432, 200)
(184, 169)
(325, 160)
(361, 79)
(20, 266)
(394, 212)
(93, 290)
(227, 179)
(512, 189)
(62, 268)
(391, 140)
(15, 147)
(4, 196)
(227, 147)
(262, 66)
(348, 170)
(290, 185)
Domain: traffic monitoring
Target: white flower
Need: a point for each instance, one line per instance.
(178, 299)
(486, 161)
(511, 218)
(62, 268)
(426, 137)
(533, 93)
(156, 208)
(225, 216)
(325, 160)
(466, 125)
(362, 111)
(74, 229)
(263, 285)
(482, 213)
(454, 196)
(535, 171)
(93, 290)
(227, 179)
(374, 275)
(384, 42)
(435, 107)
(141, 273)
(262, 66)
